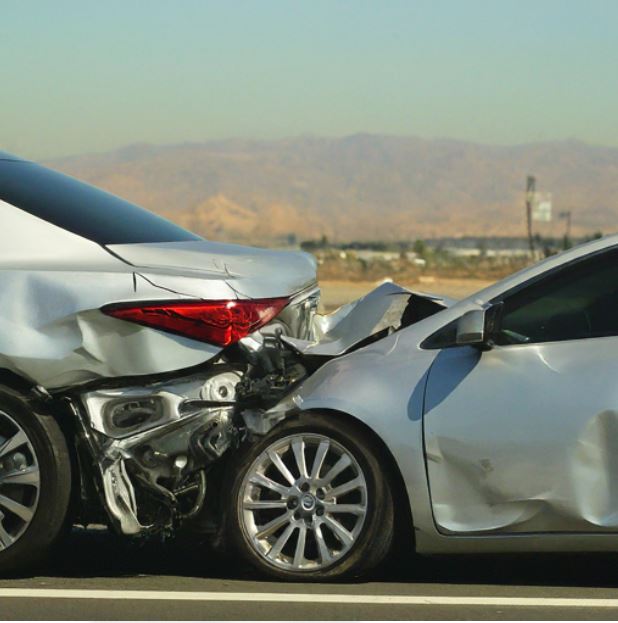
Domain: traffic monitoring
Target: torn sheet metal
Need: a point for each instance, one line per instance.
(159, 461)
(156, 438)
(524, 438)
(384, 309)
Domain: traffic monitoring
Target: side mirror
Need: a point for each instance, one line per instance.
(478, 327)
(471, 328)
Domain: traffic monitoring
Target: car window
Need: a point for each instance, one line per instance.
(81, 208)
(578, 302)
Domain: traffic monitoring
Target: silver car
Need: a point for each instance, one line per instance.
(158, 383)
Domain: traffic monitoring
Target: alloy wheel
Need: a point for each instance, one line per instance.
(303, 502)
(20, 481)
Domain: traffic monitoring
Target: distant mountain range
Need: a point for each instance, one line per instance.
(357, 187)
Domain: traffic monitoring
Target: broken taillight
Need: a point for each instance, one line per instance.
(217, 322)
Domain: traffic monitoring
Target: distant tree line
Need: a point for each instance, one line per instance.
(422, 247)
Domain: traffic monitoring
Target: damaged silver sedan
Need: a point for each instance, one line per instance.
(159, 383)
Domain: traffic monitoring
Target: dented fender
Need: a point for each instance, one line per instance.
(382, 386)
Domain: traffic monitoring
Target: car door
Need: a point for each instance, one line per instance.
(524, 437)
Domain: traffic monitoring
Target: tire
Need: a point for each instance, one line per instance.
(309, 501)
(43, 447)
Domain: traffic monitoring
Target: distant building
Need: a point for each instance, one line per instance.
(372, 256)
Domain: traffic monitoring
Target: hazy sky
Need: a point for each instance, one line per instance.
(86, 75)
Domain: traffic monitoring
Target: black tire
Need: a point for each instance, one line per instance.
(54, 464)
(373, 542)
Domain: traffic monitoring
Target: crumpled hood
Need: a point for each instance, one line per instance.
(387, 308)
(253, 272)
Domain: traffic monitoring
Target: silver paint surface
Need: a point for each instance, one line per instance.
(524, 438)
(53, 284)
(510, 449)
(250, 272)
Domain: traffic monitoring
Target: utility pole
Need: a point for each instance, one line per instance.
(530, 189)
(567, 236)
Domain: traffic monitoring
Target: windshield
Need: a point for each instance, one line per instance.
(81, 208)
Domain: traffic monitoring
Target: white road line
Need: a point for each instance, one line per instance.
(319, 598)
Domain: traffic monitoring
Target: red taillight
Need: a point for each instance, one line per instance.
(217, 322)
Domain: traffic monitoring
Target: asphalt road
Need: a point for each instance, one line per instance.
(99, 577)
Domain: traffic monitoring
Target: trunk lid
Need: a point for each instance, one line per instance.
(253, 272)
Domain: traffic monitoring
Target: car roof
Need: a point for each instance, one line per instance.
(80, 208)
(5, 155)
(554, 261)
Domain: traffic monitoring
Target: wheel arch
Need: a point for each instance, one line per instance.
(41, 402)
(14, 381)
(404, 526)
(33, 414)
